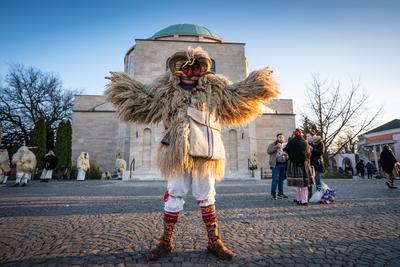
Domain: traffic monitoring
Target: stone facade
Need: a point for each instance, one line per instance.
(371, 144)
(97, 130)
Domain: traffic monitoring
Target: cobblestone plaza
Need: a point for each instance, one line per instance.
(114, 223)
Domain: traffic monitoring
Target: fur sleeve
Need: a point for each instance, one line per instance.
(133, 100)
(242, 101)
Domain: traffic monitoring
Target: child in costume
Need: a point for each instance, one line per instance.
(82, 164)
(192, 103)
(120, 165)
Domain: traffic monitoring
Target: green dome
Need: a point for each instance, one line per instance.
(187, 29)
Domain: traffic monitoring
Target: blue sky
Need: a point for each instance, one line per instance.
(339, 40)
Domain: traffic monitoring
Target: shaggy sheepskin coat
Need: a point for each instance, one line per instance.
(83, 162)
(24, 160)
(4, 162)
(165, 101)
(120, 164)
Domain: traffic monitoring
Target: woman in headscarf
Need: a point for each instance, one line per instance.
(388, 160)
(299, 172)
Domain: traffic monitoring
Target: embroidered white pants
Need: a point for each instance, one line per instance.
(203, 189)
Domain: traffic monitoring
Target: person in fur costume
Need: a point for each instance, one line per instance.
(4, 164)
(299, 169)
(120, 165)
(25, 162)
(192, 103)
(82, 165)
(50, 162)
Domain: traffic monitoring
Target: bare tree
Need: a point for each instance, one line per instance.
(26, 94)
(339, 115)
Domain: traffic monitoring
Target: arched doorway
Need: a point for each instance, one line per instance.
(346, 165)
(233, 151)
(146, 149)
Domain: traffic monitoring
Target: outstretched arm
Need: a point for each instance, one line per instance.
(242, 101)
(133, 100)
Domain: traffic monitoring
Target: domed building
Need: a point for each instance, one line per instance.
(97, 130)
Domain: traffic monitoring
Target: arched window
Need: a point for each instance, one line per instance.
(233, 150)
(213, 65)
(130, 65)
(146, 149)
(167, 64)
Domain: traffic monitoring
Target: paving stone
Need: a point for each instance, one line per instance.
(114, 223)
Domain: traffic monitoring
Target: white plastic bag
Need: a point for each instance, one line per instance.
(324, 187)
(316, 197)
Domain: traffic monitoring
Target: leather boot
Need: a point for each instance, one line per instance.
(166, 241)
(215, 244)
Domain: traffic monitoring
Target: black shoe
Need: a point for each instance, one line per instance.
(24, 184)
(47, 180)
(282, 196)
(42, 180)
(296, 201)
(391, 185)
(304, 204)
(273, 196)
(16, 184)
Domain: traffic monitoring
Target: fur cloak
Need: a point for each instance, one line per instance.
(83, 161)
(4, 162)
(165, 101)
(120, 164)
(24, 160)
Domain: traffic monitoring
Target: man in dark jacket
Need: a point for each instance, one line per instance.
(317, 150)
(277, 162)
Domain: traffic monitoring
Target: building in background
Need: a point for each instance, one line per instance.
(371, 143)
(97, 130)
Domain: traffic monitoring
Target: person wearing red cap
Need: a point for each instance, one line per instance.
(299, 171)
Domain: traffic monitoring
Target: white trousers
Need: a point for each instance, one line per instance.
(3, 179)
(81, 175)
(203, 189)
(46, 174)
(23, 177)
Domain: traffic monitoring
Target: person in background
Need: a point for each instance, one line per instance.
(370, 169)
(299, 170)
(278, 163)
(4, 165)
(387, 161)
(317, 150)
(25, 162)
(361, 168)
(50, 162)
